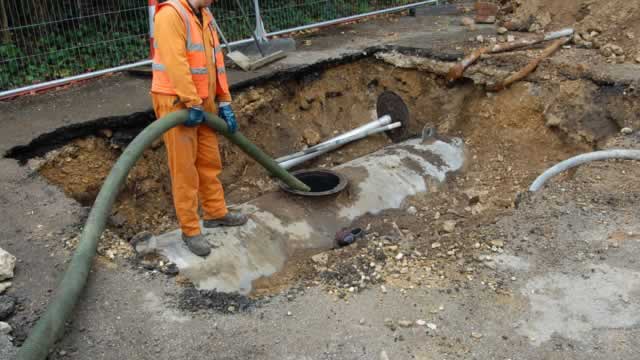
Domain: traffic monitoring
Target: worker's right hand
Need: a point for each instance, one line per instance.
(196, 116)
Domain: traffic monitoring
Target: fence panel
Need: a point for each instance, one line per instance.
(49, 40)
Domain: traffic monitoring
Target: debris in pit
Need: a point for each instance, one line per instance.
(469, 23)
(192, 299)
(449, 226)
(4, 286)
(311, 137)
(110, 246)
(405, 323)
(7, 264)
(321, 259)
(157, 262)
(346, 237)
(352, 269)
(486, 12)
(5, 328)
(7, 306)
(530, 67)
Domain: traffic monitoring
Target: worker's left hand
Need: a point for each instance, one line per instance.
(225, 112)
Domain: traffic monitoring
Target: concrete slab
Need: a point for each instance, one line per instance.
(280, 224)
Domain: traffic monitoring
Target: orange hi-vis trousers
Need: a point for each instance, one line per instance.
(194, 164)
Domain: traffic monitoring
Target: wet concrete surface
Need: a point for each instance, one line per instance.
(281, 224)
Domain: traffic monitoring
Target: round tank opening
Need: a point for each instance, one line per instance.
(322, 182)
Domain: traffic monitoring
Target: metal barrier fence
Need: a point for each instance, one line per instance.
(51, 39)
(45, 43)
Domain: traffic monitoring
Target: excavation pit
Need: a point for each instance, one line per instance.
(510, 138)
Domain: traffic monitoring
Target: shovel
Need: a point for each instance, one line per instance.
(265, 59)
(236, 56)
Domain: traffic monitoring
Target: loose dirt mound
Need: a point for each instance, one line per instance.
(603, 22)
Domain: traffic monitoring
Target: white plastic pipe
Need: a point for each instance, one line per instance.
(385, 120)
(558, 34)
(336, 144)
(582, 159)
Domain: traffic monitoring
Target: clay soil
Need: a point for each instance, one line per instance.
(616, 22)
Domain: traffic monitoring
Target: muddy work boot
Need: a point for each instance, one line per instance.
(231, 219)
(197, 244)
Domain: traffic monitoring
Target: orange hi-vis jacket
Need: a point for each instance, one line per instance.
(188, 60)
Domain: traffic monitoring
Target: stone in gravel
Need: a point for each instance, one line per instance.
(577, 39)
(7, 264)
(511, 38)
(480, 38)
(5, 328)
(412, 210)
(638, 59)
(490, 265)
(117, 220)
(388, 322)
(4, 286)
(606, 51)
(289, 313)
(617, 50)
(363, 321)
(435, 245)
(405, 323)
(449, 226)
(399, 256)
(497, 243)
(383, 355)
(321, 259)
(502, 30)
(421, 323)
(7, 306)
(311, 137)
(432, 326)
(383, 289)
(468, 22)
(476, 335)
(626, 131)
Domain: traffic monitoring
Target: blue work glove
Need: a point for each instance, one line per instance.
(226, 113)
(196, 116)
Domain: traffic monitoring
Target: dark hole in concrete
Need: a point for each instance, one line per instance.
(321, 182)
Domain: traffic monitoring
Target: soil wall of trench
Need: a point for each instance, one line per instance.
(510, 136)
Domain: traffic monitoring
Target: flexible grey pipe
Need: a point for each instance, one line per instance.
(51, 324)
(582, 159)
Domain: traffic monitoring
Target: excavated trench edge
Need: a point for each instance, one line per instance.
(139, 120)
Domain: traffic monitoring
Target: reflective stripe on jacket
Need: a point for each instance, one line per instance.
(185, 70)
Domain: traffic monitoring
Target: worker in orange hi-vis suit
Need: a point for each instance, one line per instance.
(188, 72)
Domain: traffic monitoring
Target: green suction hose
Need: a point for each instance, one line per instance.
(50, 326)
